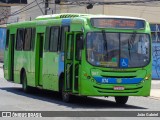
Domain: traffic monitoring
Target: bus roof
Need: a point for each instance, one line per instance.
(69, 15)
(73, 15)
(62, 15)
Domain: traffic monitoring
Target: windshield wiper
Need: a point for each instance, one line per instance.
(129, 49)
(105, 41)
(130, 43)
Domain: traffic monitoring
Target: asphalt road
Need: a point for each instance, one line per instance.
(12, 98)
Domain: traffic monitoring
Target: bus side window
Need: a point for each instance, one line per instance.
(54, 37)
(79, 46)
(70, 47)
(33, 38)
(27, 39)
(47, 37)
(64, 29)
(7, 39)
(20, 39)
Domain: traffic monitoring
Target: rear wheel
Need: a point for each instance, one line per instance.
(121, 99)
(25, 87)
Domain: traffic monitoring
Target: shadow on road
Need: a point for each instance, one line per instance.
(77, 102)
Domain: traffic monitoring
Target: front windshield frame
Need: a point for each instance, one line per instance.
(118, 66)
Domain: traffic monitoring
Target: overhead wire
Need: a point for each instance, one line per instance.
(39, 7)
(28, 8)
(74, 4)
(24, 7)
(20, 11)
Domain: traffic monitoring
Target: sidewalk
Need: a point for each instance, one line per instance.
(1, 65)
(155, 89)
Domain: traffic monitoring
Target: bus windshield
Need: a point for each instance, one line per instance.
(121, 50)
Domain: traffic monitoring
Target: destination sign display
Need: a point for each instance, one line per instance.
(118, 23)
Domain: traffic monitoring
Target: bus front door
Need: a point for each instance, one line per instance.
(71, 62)
(68, 59)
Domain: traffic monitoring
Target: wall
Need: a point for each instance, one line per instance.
(2, 42)
(149, 13)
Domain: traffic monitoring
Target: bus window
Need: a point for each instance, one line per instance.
(27, 39)
(64, 30)
(20, 38)
(46, 47)
(54, 35)
(79, 46)
(70, 47)
(33, 38)
(7, 39)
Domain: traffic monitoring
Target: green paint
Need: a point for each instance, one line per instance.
(43, 70)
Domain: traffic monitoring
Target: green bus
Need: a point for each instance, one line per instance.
(81, 54)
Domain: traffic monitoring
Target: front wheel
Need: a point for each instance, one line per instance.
(66, 97)
(24, 83)
(121, 99)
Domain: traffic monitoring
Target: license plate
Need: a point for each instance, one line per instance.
(118, 88)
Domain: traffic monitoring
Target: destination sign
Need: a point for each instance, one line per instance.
(118, 23)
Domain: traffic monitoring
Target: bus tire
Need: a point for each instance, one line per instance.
(25, 87)
(61, 80)
(66, 96)
(121, 99)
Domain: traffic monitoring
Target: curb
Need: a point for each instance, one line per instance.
(155, 93)
(155, 98)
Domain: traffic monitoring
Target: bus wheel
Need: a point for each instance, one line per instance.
(121, 99)
(24, 82)
(66, 97)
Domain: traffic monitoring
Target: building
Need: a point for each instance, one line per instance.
(147, 10)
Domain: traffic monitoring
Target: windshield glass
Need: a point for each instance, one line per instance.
(118, 49)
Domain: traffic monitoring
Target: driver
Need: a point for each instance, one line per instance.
(95, 47)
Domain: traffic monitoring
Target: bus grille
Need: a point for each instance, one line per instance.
(111, 89)
(118, 74)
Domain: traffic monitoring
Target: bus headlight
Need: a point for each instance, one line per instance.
(148, 77)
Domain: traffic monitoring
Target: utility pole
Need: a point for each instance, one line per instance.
(46, 7)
